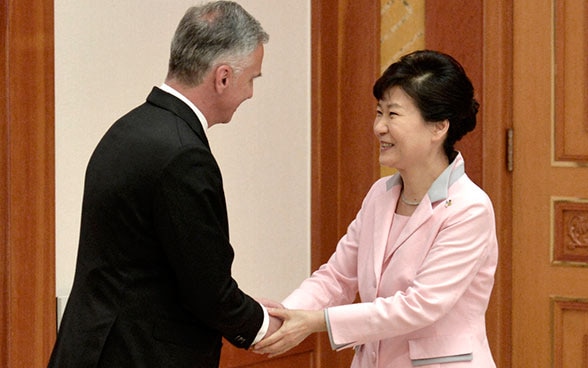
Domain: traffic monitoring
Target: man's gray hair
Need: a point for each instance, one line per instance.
(213, 33)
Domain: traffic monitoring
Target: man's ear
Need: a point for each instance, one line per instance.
(222, 77)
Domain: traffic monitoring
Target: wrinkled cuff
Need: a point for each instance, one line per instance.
(264, 326)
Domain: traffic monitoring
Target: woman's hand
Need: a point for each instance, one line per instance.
(297, 325)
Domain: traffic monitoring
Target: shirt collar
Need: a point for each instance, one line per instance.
(199, 114)
(439, 188)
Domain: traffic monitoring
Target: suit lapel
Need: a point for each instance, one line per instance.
(421, 214)
(383, 214)
(437, 192)
(173, 104)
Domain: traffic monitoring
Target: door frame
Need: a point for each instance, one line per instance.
(497, 112)
(27, 184)
(345, 64)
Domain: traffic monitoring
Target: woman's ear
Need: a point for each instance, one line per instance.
(440, 128)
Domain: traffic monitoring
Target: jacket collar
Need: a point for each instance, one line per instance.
(173, 104)
(440, 187)
(386, 207)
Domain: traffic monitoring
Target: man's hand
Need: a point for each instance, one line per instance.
(274, 325)
(274, 322)
(268, 303)
(296, 327)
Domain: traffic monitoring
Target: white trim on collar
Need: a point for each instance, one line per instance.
(199, 114)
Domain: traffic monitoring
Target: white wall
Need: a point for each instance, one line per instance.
(109, 54)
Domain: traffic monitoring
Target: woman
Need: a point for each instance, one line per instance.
(422, 250)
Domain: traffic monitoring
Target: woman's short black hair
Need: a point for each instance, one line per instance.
(440, 89)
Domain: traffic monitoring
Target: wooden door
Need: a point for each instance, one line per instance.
(550, 184)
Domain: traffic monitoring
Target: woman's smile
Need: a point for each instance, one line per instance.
(384, 146)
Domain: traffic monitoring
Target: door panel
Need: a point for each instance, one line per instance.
(550, 184)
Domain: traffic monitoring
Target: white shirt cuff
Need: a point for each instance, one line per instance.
(264, 326)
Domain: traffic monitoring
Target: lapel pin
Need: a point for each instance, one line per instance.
(447, 203)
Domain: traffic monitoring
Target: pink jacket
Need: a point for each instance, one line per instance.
(425, 304)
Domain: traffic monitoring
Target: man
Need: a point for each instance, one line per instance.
(153, 285)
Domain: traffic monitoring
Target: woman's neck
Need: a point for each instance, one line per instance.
(417, 180)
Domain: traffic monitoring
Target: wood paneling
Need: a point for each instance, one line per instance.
(497, 181)
(479, 35)
(27, 329)
(345, 65)
(459, 34)
(570, 332)
(3, 188)
(570, 231)
(537, 181)
(571, 76)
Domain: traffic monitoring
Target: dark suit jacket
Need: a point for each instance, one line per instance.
(153, 285)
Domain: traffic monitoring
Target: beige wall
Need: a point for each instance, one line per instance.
(109, 54)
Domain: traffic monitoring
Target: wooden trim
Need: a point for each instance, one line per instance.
(563, 310)
(3, 188)
(345, 64)
(497, 113)
(324, 166)
(569, 224)
(570, 127)
(27, 184)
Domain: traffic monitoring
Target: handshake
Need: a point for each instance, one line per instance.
(287, 328)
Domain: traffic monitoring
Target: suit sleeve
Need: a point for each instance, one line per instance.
(192, 225)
